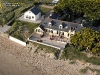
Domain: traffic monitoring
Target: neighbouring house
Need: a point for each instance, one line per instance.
(32, 14)
(55, 1)
(59, 28)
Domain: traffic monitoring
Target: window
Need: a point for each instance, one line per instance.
(46, 30)
(68, 34)
(32, 16)
(63, 33)
(49, 24)
(51, 31)
(27, 16)
(38, 30)
(57, 32)
(60, 26)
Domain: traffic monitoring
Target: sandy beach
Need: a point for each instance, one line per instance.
(16, 59)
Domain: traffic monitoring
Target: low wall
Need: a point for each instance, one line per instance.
(44, 44)
(17, 41)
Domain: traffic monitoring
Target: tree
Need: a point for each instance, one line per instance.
(88, 39)
(90, 8)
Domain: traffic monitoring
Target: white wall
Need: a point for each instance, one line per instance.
(29, 14)
(38, 15)
(16, 40)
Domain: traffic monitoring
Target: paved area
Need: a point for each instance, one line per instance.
(27, 20)
(5, 28)
(55, 42)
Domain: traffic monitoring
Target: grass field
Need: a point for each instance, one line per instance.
(9, 12)
(21, 30)
(44, 10)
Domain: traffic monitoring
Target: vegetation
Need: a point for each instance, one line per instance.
(46, 49)
(88, 40)
(93, 70)
(83, 71)
(7, 13)
(89, 9)
(21, 30)
(71, 52)
(44, 10)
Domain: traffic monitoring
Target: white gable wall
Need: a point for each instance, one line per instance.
(31, 15)
(38, 16)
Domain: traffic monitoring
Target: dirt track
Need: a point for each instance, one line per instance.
(18, 60)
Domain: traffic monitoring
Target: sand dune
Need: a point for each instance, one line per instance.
(18, 60)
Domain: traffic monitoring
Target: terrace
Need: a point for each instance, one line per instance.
(53, 41)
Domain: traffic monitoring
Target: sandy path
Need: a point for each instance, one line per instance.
(18, 60)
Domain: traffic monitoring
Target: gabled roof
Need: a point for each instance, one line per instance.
(35, 10)
(66, 26)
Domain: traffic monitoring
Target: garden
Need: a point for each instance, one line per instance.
(21, 30)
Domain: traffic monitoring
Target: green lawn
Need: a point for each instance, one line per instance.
(44, 10)
(22, 30)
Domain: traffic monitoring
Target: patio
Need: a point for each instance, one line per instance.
(54, 41)
(27, 20)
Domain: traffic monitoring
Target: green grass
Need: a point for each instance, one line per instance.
(44, 10)
(83, 71)
(22, 30)
(72, 53)
(7, 13)
(45, 48)
(18, 11)
(72, 62)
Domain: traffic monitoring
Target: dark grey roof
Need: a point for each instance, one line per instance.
(56, 23)
(35, 10)
(53, 16)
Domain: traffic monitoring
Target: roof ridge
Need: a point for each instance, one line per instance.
(63, 21)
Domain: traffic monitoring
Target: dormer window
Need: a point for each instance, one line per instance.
(49, 24)
(60, 26)
(66, 27)
(51, 14)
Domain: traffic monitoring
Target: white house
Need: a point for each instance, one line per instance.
(32, 14)
(55, 1)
